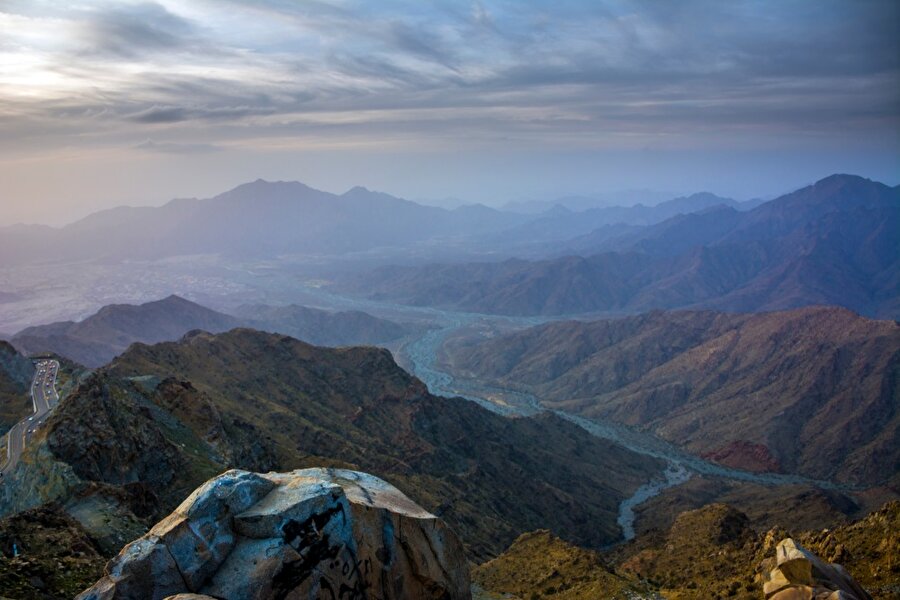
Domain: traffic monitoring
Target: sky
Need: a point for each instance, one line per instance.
(110, 103)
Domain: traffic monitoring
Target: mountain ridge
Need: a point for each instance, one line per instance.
(162, 418)
(811, 390)
(255, 219)
(829, 243)
(97, 339)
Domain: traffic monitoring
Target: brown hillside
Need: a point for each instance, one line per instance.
(170, 415)
(813, 391)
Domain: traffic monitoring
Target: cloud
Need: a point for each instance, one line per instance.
(414, 42)
(552, 72)
(177, 114)
(177, 148)
(131, 30)
(160, 114)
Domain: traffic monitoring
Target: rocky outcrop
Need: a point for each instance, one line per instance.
(798, 574)
(305, 534)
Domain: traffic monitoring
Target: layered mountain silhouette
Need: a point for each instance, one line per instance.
(833, 242)
(138, 435)
(258, 219)
(95, 340)
(812, 391)
(265, 220)
(560, 224)
(99, 338)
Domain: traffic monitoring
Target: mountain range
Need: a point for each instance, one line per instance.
(133, 438)
(813, 391)
(559, 223)
(265, 220)
(833, 242)
(737, 336)
(253, 220)
(96, 340)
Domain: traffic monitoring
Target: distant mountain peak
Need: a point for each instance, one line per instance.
(357, 189)
(843, 181)
(842, 178)
(174, 298)
(364, 193)
(260, 184)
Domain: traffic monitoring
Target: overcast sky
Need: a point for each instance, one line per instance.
(109, 103)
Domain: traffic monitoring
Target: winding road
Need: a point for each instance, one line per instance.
(44, 398)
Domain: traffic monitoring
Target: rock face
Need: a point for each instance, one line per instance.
(798, 574)
(311, 533)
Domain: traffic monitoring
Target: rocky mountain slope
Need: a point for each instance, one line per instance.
(161, 419)
(833, 242)
(45, 553)
(707, 553)
(540, 565)
(99, 338)
(16, 374)
(812, 391)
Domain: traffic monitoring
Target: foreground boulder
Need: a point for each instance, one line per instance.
(798, 574)
(311, 533)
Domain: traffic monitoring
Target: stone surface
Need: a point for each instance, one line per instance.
(305, 534)
(798, 574)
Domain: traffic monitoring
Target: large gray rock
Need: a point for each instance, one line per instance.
(312, 533)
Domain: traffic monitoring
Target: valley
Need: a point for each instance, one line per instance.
(421, 356)
(424, 354)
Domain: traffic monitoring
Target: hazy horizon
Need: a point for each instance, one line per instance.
(134, 103)
(449, 202)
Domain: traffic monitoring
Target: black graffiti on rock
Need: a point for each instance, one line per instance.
(341, 575)
(313, 545)
(352, 582)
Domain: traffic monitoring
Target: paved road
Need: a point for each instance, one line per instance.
(43, 397)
